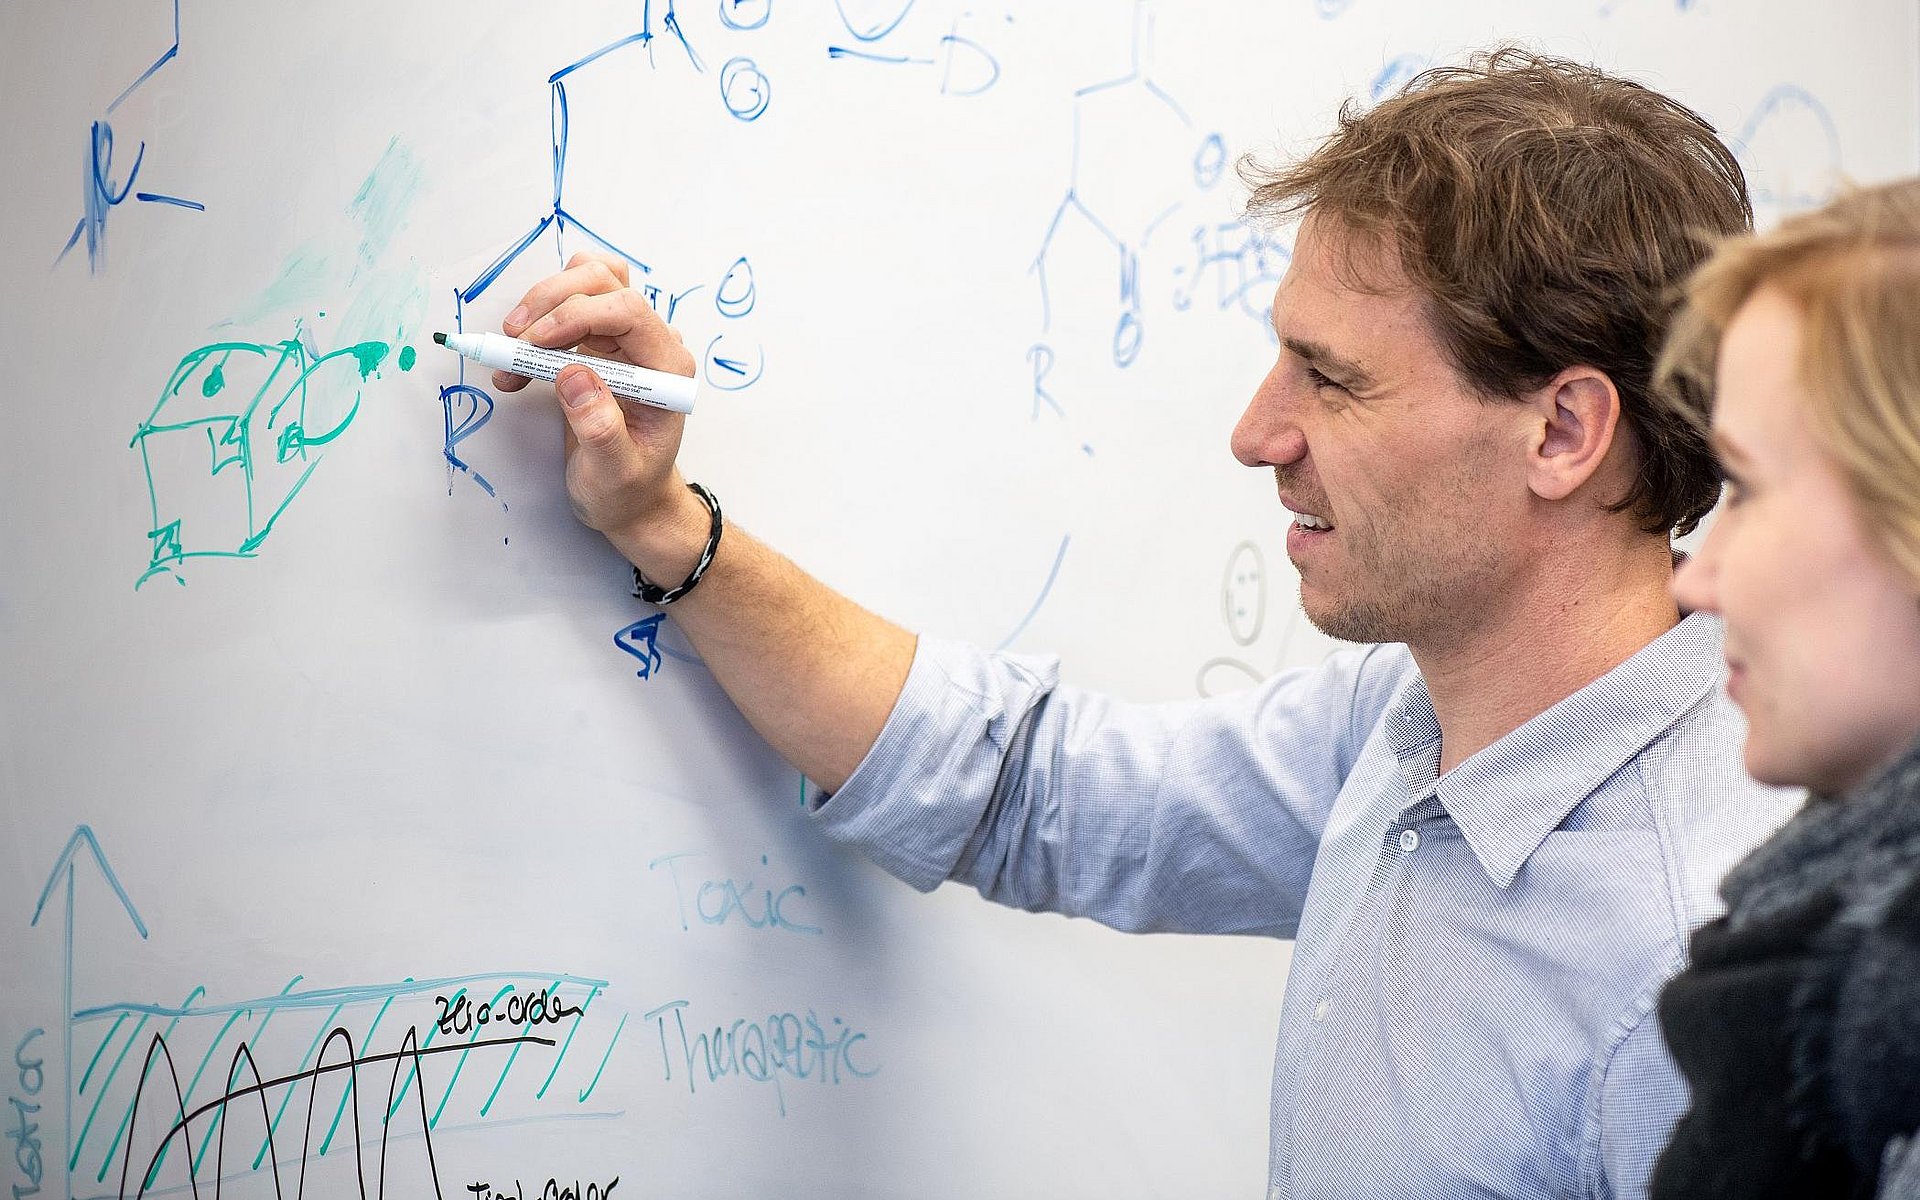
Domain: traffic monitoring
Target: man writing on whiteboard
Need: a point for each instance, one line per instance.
(1492, 827)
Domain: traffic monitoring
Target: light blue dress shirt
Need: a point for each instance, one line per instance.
(1470, 1010)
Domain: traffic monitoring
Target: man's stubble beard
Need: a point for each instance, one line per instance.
(1403, 595)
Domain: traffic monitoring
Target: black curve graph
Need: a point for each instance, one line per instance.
(408, 1055)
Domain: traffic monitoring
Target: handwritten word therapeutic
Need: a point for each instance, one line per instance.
(783, 1046)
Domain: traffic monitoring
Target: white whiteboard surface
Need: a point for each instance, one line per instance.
(318, 704)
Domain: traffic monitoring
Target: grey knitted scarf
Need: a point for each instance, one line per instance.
(1866, 844)
(1856, 1017)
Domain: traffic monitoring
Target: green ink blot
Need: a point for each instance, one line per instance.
(215, 380)
(380, 206)
(370, 355)
(407, 358)
(304, 280)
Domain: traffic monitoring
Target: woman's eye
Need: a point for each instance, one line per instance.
(1734, 492)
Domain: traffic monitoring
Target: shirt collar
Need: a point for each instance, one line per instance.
(1509, 796)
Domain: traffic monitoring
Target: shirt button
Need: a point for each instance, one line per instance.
(1321, 1009)
(1409, 841)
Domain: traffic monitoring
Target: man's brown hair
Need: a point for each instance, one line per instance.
(1549, 212)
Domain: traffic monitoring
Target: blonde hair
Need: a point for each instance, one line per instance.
(1852, 269)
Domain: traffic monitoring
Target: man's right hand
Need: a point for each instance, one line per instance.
(620, 456)
(815, 673)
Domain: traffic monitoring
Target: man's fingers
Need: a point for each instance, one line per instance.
(625, 317)
(594, 417)
(589, 306)
(613, 262)
(583, 276)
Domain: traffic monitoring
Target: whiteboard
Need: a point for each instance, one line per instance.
(328, 730)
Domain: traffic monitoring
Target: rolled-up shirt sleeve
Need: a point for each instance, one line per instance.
(1203, 816)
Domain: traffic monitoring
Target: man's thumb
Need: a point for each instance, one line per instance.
(590, 408)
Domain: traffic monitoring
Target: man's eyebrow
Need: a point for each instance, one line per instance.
(1344, 370)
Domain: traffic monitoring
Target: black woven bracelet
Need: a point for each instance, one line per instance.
(655, 594)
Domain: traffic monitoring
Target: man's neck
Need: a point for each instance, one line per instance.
(1561, 629)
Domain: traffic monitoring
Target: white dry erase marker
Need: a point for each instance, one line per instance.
(661, 389)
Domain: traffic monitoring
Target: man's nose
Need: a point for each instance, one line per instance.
(1268, 433)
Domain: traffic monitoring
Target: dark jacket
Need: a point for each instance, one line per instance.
(1797, 1023)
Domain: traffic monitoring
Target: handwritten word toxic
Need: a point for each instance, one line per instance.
(554, 1189)
(23, 1132)
(717, 901)
(783, 1046)
(461, 1015)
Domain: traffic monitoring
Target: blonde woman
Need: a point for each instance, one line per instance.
(1798, 1023)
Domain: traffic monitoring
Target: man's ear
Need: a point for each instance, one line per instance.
(1576, 415)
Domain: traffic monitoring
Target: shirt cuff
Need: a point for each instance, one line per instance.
(919, 795)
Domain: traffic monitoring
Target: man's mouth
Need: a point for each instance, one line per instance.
(1309, 521)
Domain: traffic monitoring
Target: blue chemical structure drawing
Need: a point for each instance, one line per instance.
(872, 20)
(1789, 147)
(744, 88)
(732, 360)
(669, 21)
(730, 363)
(1243, 263)
(102, 192)
(239, 429)
(1111, 219)
(1110, 120)
(964, 66)
(642, 640)
(261, 1090)
(745, 14)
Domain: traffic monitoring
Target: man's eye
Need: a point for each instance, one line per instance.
(1321, 381)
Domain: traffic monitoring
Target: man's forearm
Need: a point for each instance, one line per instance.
(815, 673)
